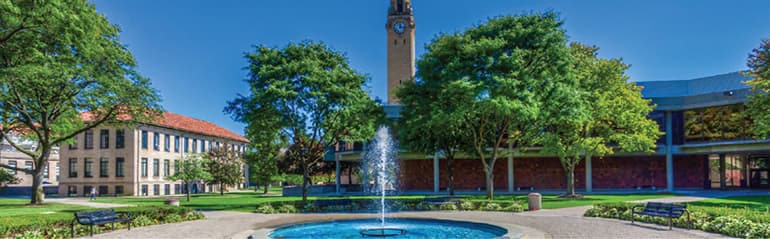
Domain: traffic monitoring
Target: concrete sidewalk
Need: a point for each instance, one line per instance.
(86, 202)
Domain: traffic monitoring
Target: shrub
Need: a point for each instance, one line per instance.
(30, 235)
(287, 208)
(195, 216)
(467, 205)
(514, 207)
(310, 207)
(490, 206)
(142, 220)
(172, 218)
(265, 208)
(449, 207)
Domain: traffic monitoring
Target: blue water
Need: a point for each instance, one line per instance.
(415, 228)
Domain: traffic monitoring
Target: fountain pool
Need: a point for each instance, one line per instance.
(399, 227)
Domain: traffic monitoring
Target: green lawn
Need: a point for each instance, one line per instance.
(247, 201)
(754, 208)
(15, 207)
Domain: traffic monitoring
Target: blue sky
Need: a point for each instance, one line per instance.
(193, 50)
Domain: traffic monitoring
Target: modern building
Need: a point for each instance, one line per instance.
(10, 156)
(136, 160)
(707, 143)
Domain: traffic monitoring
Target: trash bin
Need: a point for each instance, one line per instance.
(535, 201)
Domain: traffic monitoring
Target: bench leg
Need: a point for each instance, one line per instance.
(632, 218)
(91, 231)
(72, 230)
(670, 223)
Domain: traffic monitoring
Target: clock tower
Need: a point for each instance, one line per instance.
(400, 28)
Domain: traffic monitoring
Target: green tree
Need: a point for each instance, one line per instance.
(263, 165)
(191, 168)
(426, 124)
(225, 167)
(308, 94)
(59, 59)
(601, 113)
(486, 80)
(7, 178)
(758, 107)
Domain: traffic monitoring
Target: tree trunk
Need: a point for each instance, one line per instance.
(37, 175)
(188, 190)
(305, 181)
(450, 175)
(265, 188)
(221, 188)
(490, 182)
(350, 173)
(570, 180)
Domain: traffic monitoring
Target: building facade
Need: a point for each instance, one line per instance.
(707, 142)
(11, 156)
(137, 160)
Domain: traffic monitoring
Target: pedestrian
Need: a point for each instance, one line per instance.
(93, 193)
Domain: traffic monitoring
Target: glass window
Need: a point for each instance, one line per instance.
(176, 166)
(144, 167)
(87, 190)
(176, 189)
(104, 139)
(176, 143)
(73, 169)
(104, 167)
(203, 146)
(13, 165)
(72, 190)
(118, 190)
(186, 148)
(103, 190)
(166, 167)
(720, 123)
(156, 189)
(28, 165)
(194, 145)
(144, 139)
(144, 189)
(120, 139)
(166, 189)
(167, 143)
(87, 168)
(57, 172)
(156, 141)
(155, 167)
(45, 171)
(119, 167)
(89, 144)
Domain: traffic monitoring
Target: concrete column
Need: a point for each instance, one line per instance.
(589, 179)
(669, 157)
(435, 173)
(722, 168)
(337, 173)
(748, 170)
(510, 166)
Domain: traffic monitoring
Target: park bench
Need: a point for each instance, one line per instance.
(661, 209)
(101, 217)
(441, 201)
(339, 202)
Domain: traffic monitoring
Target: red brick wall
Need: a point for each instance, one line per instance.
(547, 173)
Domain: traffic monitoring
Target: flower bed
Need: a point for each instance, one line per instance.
(393, 205)
(57, 225)
(735, 222)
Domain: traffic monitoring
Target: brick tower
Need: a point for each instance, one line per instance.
(400, 28)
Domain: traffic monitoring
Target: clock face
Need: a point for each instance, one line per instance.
(399, 27)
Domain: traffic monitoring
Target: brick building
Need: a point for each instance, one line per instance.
(136, 161)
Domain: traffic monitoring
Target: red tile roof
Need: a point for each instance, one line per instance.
(185, 123)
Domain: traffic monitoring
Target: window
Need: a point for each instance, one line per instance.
(203, 146)
(176, 189)
(45, 171)
(57, 172)
(217, 145)
(155, 167)
(156, 189)
(166, 189)
(176, 143)
(73, 168)
(118, 190)
(176, 166)
(28, 165)
(87, 190)
(89, 139)
(144, 167)
(120, 138)
(166, 167)
(167, 142)
(13, 165)
(156, 141)
(74, 144)
(104, 139)
(119, 166)
(72, 190)
(103, 190)
(186, 148)
(144, 189)
(87, 168)
(144, 139)
(194, 145)
(104, 168)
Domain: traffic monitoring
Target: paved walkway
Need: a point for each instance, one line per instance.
(553, 223)
(86, 202)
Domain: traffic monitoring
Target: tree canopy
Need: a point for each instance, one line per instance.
(758, 107)
(59, 59)
(308, 94)
(189, 169)
(225, 167)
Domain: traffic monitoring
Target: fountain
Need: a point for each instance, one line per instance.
(380, 161)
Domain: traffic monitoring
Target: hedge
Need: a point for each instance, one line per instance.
(743, 223)
(57, 225)
(393, 205)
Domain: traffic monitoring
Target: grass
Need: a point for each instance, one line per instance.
(15, 207)
(247, 201)
(754, 208)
